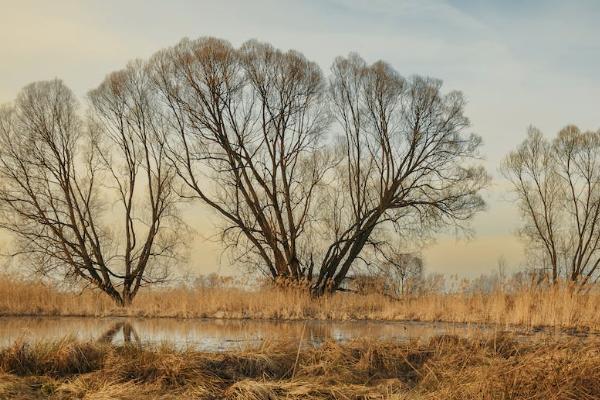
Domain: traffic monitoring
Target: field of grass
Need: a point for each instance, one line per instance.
(559, 307)
(445, 367)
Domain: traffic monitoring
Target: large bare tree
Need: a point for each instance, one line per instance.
(253, 121)
(558, 187)
(407, 161)
(92, 202)
(296, 198)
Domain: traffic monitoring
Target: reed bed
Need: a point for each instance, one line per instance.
(559, 307)
(445, 367)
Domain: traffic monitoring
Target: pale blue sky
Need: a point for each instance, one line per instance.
(517, 62)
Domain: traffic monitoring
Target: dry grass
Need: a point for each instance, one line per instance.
(444, 367)
(555, 307)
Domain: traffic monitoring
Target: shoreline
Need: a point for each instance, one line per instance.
(518, 329)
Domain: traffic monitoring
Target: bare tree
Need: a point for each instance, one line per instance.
(402, 271)
(532, 172)
(294, 198)
(406, 160)
(386, 267)
(578, 155)
(66, 188)
(252, 120)
(558, 187)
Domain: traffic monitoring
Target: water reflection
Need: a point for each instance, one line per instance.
(214, 335)
(128, 330)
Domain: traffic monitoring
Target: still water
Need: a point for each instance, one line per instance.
(217, 335)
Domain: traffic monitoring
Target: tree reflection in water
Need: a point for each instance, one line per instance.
(129, 334)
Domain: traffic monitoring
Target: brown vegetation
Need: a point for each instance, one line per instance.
(559, 307)
(444, 367)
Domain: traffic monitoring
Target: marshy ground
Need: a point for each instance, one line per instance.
(485, 364)
(443, 367)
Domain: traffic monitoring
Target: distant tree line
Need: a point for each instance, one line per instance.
(306, 172)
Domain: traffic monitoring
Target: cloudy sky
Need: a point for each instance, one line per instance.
(519, 63)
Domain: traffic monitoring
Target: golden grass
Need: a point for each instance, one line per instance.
(445, 367)
(559, 307)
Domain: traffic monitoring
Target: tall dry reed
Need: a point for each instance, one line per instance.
(560, 307)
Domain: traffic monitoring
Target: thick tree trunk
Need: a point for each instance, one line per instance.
(123, 299)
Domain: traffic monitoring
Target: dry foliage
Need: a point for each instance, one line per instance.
(445, 367)
(560, 307)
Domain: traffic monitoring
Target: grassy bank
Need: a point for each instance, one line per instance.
(554, 307)
(444, 367)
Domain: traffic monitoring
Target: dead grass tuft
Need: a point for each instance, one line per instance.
(445, 367)
(62, 358)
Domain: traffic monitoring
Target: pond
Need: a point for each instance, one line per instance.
(215, 334)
